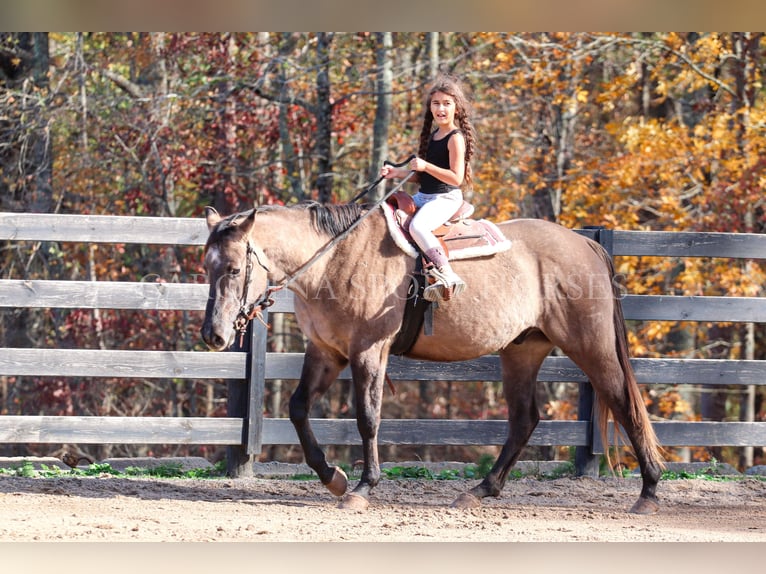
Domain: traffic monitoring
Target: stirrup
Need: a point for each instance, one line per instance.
(447, 285)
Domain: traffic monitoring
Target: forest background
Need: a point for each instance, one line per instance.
(639, 131)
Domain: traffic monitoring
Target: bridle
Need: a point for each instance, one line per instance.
(248, 312)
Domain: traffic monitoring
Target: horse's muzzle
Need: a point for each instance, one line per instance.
(213, 339)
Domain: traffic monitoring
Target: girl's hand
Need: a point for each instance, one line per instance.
(418, 164)
(389, 171)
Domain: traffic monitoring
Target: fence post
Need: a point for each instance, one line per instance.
(245, 401)
(256, 381)
(587, 458)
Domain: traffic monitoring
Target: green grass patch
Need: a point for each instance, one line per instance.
(479, 470)
(304, 476)
(170, 470)
(471, 471)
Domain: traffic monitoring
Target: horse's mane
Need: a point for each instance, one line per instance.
(332, 219)
(329, 219)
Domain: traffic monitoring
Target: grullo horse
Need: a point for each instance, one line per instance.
(552, 288)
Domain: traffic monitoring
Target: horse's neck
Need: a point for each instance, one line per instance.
(289, 242)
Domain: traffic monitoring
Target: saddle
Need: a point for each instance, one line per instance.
(461, 237)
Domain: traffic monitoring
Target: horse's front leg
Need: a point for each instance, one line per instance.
(320, 369)
(368, 370)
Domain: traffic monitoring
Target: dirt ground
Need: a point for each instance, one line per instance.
(72, 508)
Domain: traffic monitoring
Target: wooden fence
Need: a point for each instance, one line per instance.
(244, 430)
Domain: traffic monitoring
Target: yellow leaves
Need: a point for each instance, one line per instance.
(638, 348)
(613, 128)
(745, 279)
(700, 131)
(657, 331)
(675, 42)
(671, 403)
(561, 410)
(721, 130)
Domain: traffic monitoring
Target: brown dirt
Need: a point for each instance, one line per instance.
(71, 508)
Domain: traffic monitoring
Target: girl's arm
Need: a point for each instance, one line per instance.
(389, 172)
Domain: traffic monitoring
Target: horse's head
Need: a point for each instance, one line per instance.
(237, 275)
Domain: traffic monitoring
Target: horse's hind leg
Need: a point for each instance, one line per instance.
(617, 391)
(520, 365)
(638, 430)
(320, 369)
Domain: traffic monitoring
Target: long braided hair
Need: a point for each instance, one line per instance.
(463, 111)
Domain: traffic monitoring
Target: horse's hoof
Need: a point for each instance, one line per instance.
(353, 502)
(338, 483)
(645, 506)
(466, 500)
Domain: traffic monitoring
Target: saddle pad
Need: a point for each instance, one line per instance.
(465, 239)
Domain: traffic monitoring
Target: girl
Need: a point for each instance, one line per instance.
(442, 167)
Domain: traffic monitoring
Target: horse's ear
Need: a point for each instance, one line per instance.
(247, 223)
(212, 217)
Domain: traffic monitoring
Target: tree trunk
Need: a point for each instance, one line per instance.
(432, 40)
(224, 195)
(382, 110)
(292, 169)
(745, 77)
(31, 156)
(323, 148)
(540, 204)
(278, 345)
(41, 198)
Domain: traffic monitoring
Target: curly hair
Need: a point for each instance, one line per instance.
(451, 86)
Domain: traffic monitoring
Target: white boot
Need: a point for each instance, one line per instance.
(447, 283)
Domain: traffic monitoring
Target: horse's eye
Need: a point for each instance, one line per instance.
(233, 271)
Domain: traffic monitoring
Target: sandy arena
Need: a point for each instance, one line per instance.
(74, 508)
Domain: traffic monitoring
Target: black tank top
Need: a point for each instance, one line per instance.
(437, 154)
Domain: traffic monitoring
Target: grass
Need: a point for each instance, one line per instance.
(170, 470)
(478, 470)
(469, 471)
(712, 472)
(472, 471)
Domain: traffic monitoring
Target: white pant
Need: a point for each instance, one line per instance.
(434, 209)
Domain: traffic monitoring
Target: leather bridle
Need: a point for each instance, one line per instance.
(249, 312)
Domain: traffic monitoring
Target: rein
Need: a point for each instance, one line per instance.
(254, 310)
(377, 181)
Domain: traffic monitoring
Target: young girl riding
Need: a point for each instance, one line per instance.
(442, 168)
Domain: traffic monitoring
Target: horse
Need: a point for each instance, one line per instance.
(552, 288)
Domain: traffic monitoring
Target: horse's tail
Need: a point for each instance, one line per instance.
(637, 409)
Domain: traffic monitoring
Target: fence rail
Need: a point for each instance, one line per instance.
(245, 430)
(192, 297)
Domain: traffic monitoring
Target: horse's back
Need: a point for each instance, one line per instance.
(541, 235)
(544, 281)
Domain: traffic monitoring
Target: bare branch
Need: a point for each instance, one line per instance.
(122, 82)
